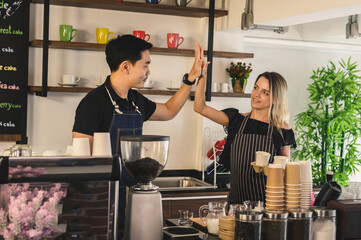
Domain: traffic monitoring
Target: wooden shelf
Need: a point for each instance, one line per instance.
(137, 7)
(154, 50)
(35, 89)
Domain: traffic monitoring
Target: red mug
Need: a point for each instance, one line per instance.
(141, 35)
(174, 40)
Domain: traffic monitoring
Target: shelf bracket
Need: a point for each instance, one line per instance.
(210, 49)
(44, 88)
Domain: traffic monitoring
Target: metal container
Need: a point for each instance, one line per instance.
(324, 224)
(248, 225)
(274, 225)
(299, 224)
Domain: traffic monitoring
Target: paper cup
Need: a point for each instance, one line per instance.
(275, 177)
(281, 160)
(305, 171)
(69, 150)
(262, 158)
(275, 206)
(275, 189)
(275, 198)
(293, 173)
(81, 147)
(101, 144)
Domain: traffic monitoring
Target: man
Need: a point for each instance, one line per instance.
(116, 108)
(114, 105)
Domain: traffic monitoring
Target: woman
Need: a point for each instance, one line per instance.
(264, 128)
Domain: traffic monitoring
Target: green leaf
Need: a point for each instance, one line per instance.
(324, 133)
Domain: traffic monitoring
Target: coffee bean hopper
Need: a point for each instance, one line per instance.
(144, 157)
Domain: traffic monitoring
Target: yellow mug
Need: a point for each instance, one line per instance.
(103, 35)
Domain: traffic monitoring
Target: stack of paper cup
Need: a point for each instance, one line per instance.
(226, 227)
(262, 158)
(275, 188)
(280, 160)
(306, 183)
(293, 185)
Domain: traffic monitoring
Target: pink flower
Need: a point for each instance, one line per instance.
(31, 214)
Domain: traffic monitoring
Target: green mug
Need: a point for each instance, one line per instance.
(66, 33)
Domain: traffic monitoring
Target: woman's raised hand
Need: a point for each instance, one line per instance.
(196, 70)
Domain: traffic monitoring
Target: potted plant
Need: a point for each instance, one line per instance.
(239, 74)
(329, 128)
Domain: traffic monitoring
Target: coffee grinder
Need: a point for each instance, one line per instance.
(144, 157)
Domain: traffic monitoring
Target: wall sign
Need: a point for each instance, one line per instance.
(14, 46)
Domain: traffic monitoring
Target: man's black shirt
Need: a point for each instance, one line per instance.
(95, 111)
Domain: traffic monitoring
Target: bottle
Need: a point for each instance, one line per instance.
(218, 147)
(324, 224)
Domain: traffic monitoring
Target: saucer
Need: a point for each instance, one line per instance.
(172, 89)
(68, 84)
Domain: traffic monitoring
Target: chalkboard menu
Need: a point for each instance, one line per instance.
(14, 46)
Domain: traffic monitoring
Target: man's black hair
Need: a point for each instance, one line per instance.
(126, 47)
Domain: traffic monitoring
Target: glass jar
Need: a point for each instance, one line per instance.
(299, 224)
(274, 225)
(324, 224)
(248, 225)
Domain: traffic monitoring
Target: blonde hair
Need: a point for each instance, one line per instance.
(278, 112)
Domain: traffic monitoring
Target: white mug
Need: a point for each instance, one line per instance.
(175, 84)
(81, 147)
(148, 83)
(262, 158)
(226, 87)
(101, 144)
(70, 79)
(216, 87)
(280, 160)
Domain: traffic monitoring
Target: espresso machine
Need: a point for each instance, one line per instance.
(144, 157)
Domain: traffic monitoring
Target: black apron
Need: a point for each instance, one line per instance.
(246, 184)
(124, 123)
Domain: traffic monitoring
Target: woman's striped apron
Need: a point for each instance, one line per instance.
(246, 184)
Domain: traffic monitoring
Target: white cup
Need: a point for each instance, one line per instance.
(226, 87)
(175, 84)
(148, 83)
(281, 160)
(262, 158)
(216, 87)
(81, 147)
(69, 150)
(305, 171)
(101, 144)
(70, 79)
